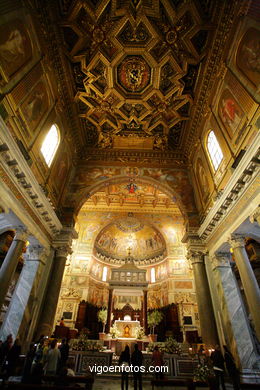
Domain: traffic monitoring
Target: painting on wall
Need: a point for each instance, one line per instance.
(35, 105)
(15, 47)
(60, 171)
(230, 112)
(247, 57)
(203, 180)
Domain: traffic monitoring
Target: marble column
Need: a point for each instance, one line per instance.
(10, 262)
(205, 308)
(236, 329)
(53, 291)
(145, 312)
(248, 279)
(109, 310)
(20, 298)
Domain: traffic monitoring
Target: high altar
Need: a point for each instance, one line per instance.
(126, 328)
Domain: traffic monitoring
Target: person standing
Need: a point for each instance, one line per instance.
(231, 368)
(64, 353)
(124, 362)
(12, 358)
(136, 361)
(218, 367)
(52, 359)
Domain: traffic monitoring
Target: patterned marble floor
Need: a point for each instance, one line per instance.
(115, 384)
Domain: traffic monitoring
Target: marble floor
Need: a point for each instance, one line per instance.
(115, 384)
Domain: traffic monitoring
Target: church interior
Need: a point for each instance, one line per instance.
(129, 166)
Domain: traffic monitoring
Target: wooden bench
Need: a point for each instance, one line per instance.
(185, 383)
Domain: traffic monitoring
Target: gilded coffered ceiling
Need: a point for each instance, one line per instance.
(133, 68)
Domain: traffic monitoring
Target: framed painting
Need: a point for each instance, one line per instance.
(15, 47)
(248, 56)
(231, 114)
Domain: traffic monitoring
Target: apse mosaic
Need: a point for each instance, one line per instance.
(141, 243)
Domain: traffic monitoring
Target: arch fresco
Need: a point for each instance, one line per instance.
(174, 183)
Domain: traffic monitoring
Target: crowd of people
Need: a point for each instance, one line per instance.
(46, 357)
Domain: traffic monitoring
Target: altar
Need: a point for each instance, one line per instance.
(127, 328)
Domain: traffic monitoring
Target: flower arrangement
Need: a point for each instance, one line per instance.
(170, 346)
(139, 332)
(102, 317)
(114, 332)
(83, 344)
(202, 373)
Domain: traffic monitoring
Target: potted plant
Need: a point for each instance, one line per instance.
(153, 319)
(102, 317)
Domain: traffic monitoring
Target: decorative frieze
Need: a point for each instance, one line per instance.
(239, 182)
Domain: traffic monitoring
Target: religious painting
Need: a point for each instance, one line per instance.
(230, 112)
(142, 240)
(15, 47)
(35, 105)
(248, 57)
(60, 171)
(203, 180)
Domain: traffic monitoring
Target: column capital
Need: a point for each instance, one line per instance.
(220, 259)
(196, 256)
(255, 216)
(237, 241)
(62, 251)
(21, 234)
(37, 253)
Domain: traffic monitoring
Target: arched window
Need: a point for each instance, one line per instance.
(104, 275)
(152, 275)
(214, 150)
(50, 144)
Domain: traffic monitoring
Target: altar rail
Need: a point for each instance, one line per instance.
(178, 366)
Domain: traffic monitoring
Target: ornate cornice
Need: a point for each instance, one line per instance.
(132, 156)
(240, 181)
(18, 176)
